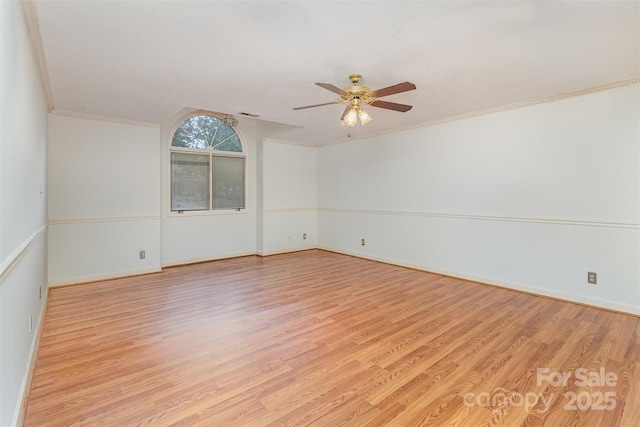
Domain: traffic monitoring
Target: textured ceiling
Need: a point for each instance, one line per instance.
(147, 60)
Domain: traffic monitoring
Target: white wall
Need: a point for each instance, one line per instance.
(194, 236)
(23, 192)
(104, 200)
(530, 198)
(289, 197)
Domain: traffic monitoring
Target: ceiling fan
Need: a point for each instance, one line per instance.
(356, 96)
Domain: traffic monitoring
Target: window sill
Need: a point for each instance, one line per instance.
(178, 214)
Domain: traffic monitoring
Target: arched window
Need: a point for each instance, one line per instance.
(207, 166)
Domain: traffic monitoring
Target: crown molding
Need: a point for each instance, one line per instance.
(33, 29)
(536, 101)
(507, 107)
(104, 118)
(286, 142)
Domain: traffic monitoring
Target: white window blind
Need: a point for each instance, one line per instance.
(228, 182)
(190, 182)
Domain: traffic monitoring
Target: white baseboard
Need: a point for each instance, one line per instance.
(286, 251)
(186, 261)
(593, 302)
(206, 259)
(100, 277)
(21, 403)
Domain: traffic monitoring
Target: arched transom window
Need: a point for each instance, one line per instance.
(207, 166)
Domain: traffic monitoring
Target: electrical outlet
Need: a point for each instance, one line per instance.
(362, 242)
(143, 255)
(592, 277)
(304, 236)
(31, 323)
(40, 290)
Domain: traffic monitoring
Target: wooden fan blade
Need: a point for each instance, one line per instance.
(346, 111)
(333, 89)
(400, 87)
(317, 105)
(392, 106)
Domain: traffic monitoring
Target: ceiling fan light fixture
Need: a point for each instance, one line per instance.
(357, 95)
(364, 117)
(351, 118)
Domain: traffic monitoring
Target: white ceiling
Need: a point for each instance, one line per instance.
(147, 60)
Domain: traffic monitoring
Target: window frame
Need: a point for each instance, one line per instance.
(211, 152)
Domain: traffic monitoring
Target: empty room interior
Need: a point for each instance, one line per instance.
(270, 213)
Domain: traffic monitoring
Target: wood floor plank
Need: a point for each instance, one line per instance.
(318, 338)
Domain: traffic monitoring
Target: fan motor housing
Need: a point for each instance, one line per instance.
(355, 91)
(359, 91)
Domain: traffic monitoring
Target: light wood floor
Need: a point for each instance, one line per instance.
(316, 338)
